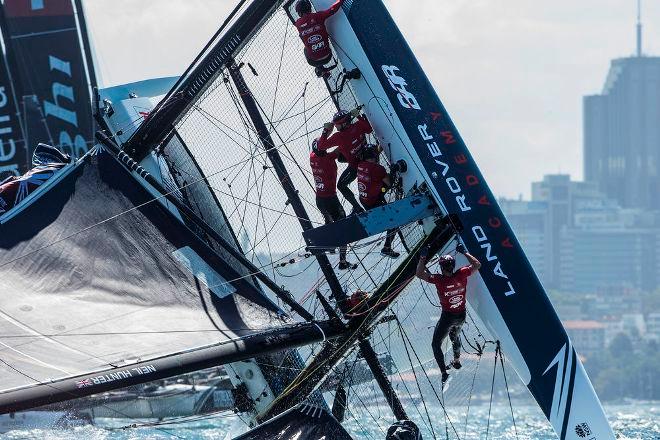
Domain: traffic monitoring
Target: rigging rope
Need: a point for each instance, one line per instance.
(492, 389)
(431, 384)
(506, 383)
(419, 388)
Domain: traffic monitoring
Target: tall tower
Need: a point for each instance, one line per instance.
(639, 28)
(622, 130)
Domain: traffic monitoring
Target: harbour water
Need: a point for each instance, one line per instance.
(630, 421)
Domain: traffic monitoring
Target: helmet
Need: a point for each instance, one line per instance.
(315, 148)
(447, 263)
(341, 117)
(357, 298)
(46, 154)
(303, 7)
(370, 151)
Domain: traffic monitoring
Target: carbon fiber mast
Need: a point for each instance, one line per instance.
(298, 207)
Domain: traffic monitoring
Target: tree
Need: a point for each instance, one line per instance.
(621, 346)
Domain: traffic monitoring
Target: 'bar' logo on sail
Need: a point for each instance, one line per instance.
(399, 84)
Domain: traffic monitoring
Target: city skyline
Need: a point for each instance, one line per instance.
(511, 74)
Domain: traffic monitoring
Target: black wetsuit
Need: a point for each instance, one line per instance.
(448, 324)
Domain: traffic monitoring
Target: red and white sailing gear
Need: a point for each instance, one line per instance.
(313, 33)
(349, 139)
(371, 185)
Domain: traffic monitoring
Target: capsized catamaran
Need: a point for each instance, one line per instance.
(165, 249)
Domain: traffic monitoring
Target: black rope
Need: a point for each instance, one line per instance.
(506, 383)
(419, 388)
(474, 378)
(492, 389)
(405, 385)
(442, 405)
(478, 350)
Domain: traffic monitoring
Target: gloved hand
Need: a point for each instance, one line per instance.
(460, 248)
(356, 111)
(424, 252)
(328, 126)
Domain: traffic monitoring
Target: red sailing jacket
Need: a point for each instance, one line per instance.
(349, 141)
(314, 35)
(370, 183)
(452, 290)
(324, 169)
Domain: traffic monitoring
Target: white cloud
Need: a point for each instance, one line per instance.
(512, 73)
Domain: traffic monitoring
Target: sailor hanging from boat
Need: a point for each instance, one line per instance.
(373, 183)
(46, 161)
(349, 138)
(324, 169)
(451, 286)
(314, 35)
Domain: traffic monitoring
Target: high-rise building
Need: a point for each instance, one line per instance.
(563, 199)
(528, 219)
(622, 132)
(579, 240)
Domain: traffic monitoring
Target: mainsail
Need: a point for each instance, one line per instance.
(101, 284)
(249, 95)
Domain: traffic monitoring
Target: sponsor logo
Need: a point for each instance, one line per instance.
(582, 430)
(445, 171)
(562, 363)
(456, 299)
(318, 46)
(7, 144)
(61, 72)
(314, 39)
(362, 187)
(399, 84)
(115, 376)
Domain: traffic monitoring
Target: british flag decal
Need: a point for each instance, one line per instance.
(84, 383)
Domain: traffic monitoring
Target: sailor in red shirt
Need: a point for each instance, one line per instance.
(314, 35)
(324, 169)
(373, 182)
(451, 288)
(349, 139)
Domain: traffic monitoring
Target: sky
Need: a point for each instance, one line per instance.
(512, 73)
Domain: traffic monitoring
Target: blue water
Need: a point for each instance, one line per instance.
(638, 421)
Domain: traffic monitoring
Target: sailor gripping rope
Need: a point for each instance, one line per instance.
(451, 286)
